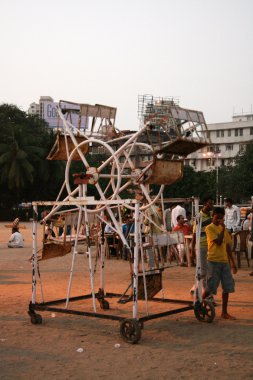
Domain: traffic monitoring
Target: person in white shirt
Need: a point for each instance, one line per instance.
(176, 211)
(16, 239)
(232, 215)
(108, 229)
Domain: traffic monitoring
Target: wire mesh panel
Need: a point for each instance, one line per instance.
(185, 128)
(153, 283)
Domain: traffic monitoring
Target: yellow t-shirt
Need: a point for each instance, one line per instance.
(206, 220)
(215, 252)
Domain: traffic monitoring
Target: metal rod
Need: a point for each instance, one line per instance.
(89, 251)
(34, 256)
(74, 255)
(136, 254)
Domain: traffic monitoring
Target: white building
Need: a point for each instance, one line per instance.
(228, 139)
(47, 110)
(34, 109)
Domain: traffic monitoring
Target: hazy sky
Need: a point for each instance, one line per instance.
(111, 51)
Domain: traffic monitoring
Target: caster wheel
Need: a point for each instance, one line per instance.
(130, 331)
(104, 305)
(204, 311)
(36, 319)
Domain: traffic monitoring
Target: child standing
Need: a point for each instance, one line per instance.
(219, 258)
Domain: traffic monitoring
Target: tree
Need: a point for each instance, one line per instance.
(25, 142)
(192, 183)
(242, 174)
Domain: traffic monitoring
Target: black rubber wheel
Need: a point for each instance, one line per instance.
(204, 311)
(36, 319)
(130, 331)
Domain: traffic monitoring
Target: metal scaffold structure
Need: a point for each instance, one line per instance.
(111, 172)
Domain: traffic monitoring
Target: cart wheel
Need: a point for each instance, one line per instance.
(36, 319)
(204, 311)
(104, 304)
(130, 331)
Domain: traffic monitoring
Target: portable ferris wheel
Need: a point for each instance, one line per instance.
(108, 169)
(132, 160)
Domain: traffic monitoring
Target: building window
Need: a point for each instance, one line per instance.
(222, 162)
(100, 150)
(241, 131)
(193, 163)
(229, 147)
(222, 133)
(251, 130)
(210, 149)
(229, 132)
(209, 162)
(217, 133)
(236, 132)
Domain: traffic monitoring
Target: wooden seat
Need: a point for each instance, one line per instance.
(58, 151)
(153, 283)
(181, 146)
(52, 249)
(166, 172)
(240, 246)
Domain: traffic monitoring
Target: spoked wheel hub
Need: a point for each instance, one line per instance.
(204, 311)
(130, 330)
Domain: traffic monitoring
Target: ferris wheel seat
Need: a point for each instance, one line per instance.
(59, 150)
(166, 172)
(54, 249)
(181, 147)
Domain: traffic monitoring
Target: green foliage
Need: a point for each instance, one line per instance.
(242, 174)
(24, 172)
(235, 181)
(196, 184)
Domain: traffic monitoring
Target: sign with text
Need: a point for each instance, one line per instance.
(49, 114)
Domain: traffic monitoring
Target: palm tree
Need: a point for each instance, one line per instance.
(15, 167)
(24, 146)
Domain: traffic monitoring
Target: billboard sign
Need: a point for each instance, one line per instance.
(49, 114)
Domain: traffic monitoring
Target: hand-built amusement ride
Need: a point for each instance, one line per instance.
(117, 171)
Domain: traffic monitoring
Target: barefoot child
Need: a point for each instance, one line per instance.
(219, 257)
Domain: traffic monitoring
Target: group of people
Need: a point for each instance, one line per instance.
(215, 246)
(215, 254)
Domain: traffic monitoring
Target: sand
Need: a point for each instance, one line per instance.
(174, 347)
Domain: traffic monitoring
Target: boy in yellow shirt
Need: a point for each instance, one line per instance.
(219, 258)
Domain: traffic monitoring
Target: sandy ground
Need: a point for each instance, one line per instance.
(175, 347)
